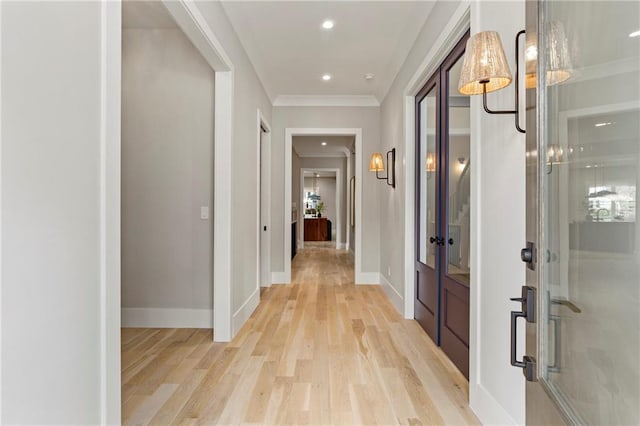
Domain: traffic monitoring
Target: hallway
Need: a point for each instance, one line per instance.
(319, 351)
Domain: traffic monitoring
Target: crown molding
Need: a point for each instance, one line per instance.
(326, 101)
(322, 155)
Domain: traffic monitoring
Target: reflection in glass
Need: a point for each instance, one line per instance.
(591, 349)
(427, 224)
(459, 182)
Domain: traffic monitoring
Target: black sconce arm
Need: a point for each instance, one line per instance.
(391, 171)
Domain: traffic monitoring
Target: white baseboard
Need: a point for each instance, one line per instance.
(486, 408)
(396, 299)
(242, 315)
(352, 252)
(341, 246)
(166, 318)
(367, 278)
(279, 278)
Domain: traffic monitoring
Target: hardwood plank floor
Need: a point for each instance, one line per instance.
(319, 351)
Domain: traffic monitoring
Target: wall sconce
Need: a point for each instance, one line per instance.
(377, 165)
(557, 56)
(485, 69)
(431, 164)
(555, 154)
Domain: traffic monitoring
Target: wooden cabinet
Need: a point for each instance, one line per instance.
(317, 229)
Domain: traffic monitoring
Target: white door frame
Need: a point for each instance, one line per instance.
(339, 207)
(288, 145)
(266, 144)
(197, 29)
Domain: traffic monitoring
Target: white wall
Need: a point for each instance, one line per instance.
(366, 118)
(496, 388)
(167, 175)
(249, 95)
(352, 173)
(58, 267)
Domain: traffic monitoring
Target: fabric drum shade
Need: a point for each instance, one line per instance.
(485, 64)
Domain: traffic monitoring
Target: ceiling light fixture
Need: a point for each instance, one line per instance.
(326, 77)
(635, 34)
(323, 143)
(369, 76)
(607, 123)
(328, 24)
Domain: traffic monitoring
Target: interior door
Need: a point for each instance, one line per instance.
(583, 344)
(443, 210)
(428, 230)
(456, 203)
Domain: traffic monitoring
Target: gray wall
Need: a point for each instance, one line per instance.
(366, 118)
(51, 219)
(167, 171)
(249, 95)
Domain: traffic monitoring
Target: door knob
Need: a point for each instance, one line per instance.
(450, 241)
(434, 240)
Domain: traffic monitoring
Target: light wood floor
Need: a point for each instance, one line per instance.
(319, 351)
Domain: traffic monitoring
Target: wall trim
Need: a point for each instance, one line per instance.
(109, 209)
(488, 410)
(241, 316)
(342, 246)
(288, 147)
(326, 100)
(367, 278)
(191, 21)
(166, 318)
(279, 277)
(321, 155)
(393, 295)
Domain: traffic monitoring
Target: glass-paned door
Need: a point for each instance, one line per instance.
(588, 283)
(443, 209)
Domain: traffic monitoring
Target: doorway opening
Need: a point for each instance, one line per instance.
(443, 211)
(322, 212)
(316, 149)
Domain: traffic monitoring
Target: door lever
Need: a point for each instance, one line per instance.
(568, 304)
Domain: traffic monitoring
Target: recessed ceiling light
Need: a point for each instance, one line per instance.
(326, 77)
(369, 76)
(317, 175)
(635, 34)
(323, 144)
(328, 24)
(607, 123)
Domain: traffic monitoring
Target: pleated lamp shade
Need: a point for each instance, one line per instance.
(484, 64)
(377, 163)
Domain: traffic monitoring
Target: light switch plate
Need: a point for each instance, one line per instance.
(204, 212)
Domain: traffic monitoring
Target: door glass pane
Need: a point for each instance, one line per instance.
(591, 146)
(459, 180)
(427, 208)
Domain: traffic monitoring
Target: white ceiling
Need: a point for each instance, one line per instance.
(311, 146)
(291, 51)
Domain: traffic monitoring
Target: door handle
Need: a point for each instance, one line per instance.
(265, 227)
(435, 240)
(568, 304)
(528, 312)
(450, 241)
